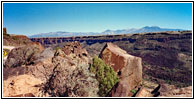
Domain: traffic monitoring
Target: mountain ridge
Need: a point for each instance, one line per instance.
(106, 32)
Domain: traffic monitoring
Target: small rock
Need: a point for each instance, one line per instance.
(143, 92)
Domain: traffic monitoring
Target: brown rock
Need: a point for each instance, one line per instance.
(171, 91)
(4, 31)
(24, 95)
(74, 47)
(10, 72)
(16, 40)
(143, 92)
(41, 68)
(128, 67)
(22, 84)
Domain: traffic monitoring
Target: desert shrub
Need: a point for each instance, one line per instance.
(66, 81)
(133, 91)
(57, 48)
(105, 75)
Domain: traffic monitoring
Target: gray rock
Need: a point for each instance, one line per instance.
(47, 53)
(21, 56)
(71, 78)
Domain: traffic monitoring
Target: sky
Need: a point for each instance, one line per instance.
(35, 18)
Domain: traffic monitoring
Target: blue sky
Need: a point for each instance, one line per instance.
(34, 18)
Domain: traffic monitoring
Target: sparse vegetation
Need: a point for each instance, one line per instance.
(104, 74)
(133, 91)
(17, 40)
(14, 38)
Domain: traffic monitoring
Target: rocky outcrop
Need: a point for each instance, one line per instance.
(60, 74)
(65, 72)
(74, 47)
(22, 55)
(128, 67)
(16, 40)
(41, 66)
(22, 85)
(71, 77)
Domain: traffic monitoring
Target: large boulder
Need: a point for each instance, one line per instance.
(41, 66)
(128, 67)
(45, 54)
(22, 55)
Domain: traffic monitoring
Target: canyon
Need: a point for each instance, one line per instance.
(129, 65)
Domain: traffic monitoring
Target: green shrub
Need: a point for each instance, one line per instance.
(105, 75)
(133, 91)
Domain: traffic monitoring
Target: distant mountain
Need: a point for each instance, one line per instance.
(62, 34)
(107, 32)
(141, 30)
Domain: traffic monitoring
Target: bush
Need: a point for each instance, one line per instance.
(105, 75)
(57, 48)
(133, 91)
(66, 81)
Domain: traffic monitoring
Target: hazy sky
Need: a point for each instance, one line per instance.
(34, 18)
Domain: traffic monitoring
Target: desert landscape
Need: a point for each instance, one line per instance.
(100, 50)
(156, 64)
